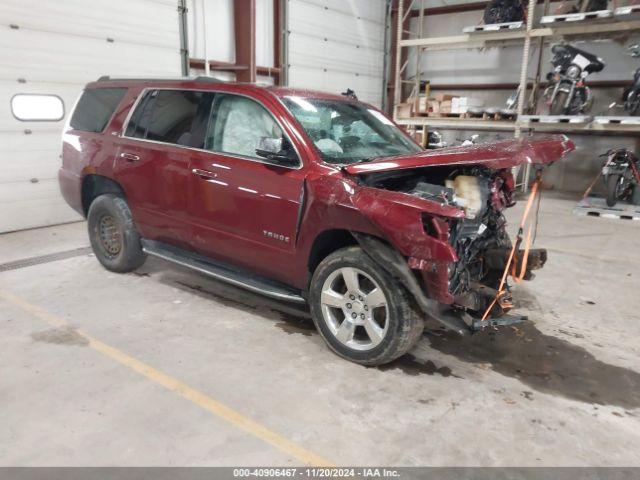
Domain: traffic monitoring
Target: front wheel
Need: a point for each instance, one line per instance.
(614, 185)
(558, 104)
(362, 313)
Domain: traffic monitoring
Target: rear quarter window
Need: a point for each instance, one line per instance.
(176, 117)
(95, 108)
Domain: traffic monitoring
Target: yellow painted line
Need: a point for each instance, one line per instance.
(201, 399)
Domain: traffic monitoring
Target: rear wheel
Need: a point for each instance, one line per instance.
(614, 186)
(362, 313)
(114, 238)
(633, 103)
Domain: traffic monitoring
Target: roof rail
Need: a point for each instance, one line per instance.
(197, 79)
(202, 78)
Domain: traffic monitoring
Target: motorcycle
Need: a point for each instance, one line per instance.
(504, 11)
(435, 140)
(567, 93)
(581, 6)
(468, 142)
(621, 174)
(631, 94)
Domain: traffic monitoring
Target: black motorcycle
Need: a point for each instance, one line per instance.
(567, 93)
(435, 140)
(621, 174)
(631, 94)
(504, 11)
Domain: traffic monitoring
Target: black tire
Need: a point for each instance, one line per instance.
(113, 235)
(612, 189)
(405, 323)
(633, 103)
(597, 5)
(557, 106)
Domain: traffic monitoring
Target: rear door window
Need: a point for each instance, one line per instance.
(95, 108)
(171, 116)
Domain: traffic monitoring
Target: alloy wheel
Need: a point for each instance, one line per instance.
(354, 308)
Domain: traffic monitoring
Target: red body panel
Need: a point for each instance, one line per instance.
(264, 217)
(506, 154)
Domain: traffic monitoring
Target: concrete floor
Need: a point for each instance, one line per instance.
(562, 390)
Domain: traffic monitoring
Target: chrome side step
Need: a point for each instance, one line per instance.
(224, 273)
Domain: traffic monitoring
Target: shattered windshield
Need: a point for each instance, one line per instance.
(346, 132)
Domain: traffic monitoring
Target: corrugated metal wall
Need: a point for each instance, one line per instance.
(56, 47)
(335, 45)
(216, 18)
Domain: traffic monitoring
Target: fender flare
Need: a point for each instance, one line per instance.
(395, 265)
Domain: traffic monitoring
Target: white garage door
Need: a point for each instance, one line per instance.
(56, 47)
(335, 45)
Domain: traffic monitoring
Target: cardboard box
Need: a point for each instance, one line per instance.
(443, 97)
(415, 104)
(422, 105)
(462, 104)
(445, 106)
(433, 106)
(418, 105)
(404, 110)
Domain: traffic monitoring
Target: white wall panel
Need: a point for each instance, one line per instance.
(335, 45)
(351, 57)
(58, 47)
(216, 19)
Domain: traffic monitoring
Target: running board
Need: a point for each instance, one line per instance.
(222, 272)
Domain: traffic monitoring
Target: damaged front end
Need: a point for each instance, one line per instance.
(447, 220)
(482, 245)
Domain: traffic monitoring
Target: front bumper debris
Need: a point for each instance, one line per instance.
(478, 324)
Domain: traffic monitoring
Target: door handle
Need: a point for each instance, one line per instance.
(203, 173)
(130, 157)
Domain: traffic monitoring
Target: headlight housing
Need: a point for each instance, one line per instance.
(573, 71)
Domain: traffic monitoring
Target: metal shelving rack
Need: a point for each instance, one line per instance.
(478, 40)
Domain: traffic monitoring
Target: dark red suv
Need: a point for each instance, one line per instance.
(301, 196)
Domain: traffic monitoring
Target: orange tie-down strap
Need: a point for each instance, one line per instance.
(511, 264)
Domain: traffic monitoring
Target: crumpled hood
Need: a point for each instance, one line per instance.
(543, 149)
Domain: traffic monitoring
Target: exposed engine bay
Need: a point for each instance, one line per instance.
(479, 238)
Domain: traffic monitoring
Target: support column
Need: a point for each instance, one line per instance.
(244, 20)
(184, 37)
(523, 85)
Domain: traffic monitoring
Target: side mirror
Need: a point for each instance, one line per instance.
(275, 150)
